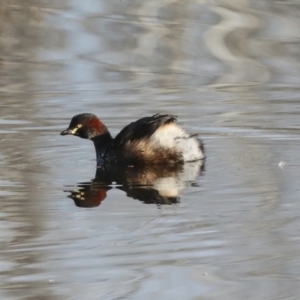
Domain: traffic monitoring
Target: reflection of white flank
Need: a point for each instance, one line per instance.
(237, 25)
(173, 186)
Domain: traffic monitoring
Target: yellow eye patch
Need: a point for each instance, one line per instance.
(76, 128)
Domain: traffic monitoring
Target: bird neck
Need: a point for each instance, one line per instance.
(102, 143)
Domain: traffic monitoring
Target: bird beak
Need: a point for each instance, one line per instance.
(65, 132)
(69, 131)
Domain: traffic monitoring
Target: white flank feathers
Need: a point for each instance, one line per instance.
(171, 136)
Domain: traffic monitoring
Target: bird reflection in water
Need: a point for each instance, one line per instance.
(152, 184)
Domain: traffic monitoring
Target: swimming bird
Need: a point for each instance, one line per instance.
(155, 140)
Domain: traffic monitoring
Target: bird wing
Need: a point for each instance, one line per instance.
(141, 129)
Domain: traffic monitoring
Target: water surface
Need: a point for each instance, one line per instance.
(229, 70)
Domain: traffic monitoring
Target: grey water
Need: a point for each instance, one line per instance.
(230, 71)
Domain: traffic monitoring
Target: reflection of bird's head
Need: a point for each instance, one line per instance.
(88, 196)
(149, 184)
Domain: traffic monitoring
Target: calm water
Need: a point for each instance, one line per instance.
(230, 70)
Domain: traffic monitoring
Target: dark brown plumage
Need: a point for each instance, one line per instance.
(150, 140)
